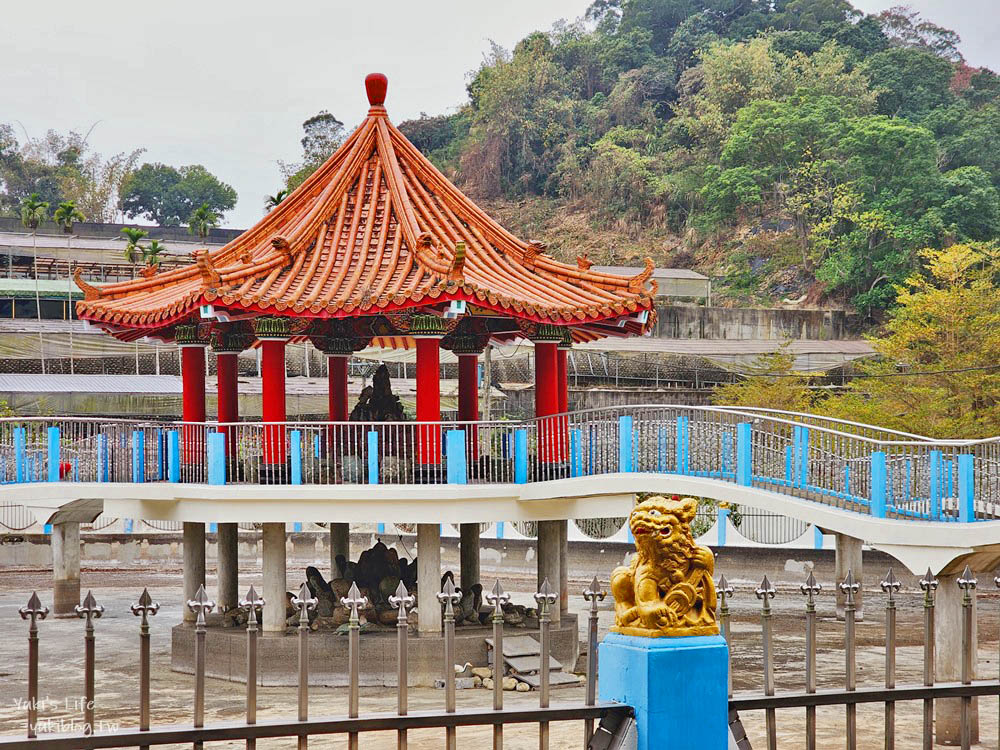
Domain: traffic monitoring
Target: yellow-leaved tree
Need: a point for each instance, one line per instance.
(938, 372)
(771, 383)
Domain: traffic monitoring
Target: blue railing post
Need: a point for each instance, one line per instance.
(102, 458)
(173, 456)
(216, 451)
(161, 455)
(138, 456)
(625, 434)
(53, 446)
(373, 457)
(934, 492)
(801, 439)
(727, 449)
(744, 454)
(455, 457)
(966, 488)
(295, 442)
(575, 456)
(520, 456)
(20, 443)
(722, 516)
(683, 455)
(789, 470)
(879, 477)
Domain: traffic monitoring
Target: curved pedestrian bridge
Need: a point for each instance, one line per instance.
(900, 492)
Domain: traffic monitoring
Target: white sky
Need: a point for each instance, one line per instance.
(227, 84)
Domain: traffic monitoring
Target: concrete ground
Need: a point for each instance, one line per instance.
(61, 648)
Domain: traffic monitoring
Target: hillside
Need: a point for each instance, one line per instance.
(797, 149)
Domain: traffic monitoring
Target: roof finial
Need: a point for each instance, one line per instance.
(375, 85)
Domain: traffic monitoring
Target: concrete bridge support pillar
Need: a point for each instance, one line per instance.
(948, 661)
(469, 553)
(849, 559)
(65, 568)
(275, 576)
(340, 544)
(194, 563)
(549, 546)
(429, 577)
(228, 566)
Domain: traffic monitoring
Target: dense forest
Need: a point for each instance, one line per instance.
(798, 149)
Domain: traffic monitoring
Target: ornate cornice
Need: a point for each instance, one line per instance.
(427, 326)
(192, 334)
(231, 340)
(548, 333)
(464, 343)
(272, 327)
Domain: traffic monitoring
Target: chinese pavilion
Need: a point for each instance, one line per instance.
(375, 247)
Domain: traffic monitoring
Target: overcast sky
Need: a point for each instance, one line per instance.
(227, 84)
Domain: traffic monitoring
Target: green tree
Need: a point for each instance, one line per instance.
(770, 382)
(34, 211)
(152, 252)
(910, 82)
(937, 372)
(66, 214)
(322, 135)
(972, 205)
(271, 202)
(202, 220)
(167, 195)
(133, 249)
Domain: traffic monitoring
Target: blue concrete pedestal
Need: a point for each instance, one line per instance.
(677, 687)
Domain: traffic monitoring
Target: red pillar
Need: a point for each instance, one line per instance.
(337, 375)
(429, 398)
(546, 398)
(228, 396)
(272, 372)
(563, 386)
(468, 400)
(193, 402)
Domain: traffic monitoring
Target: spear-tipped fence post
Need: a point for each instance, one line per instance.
(145, 608)
(890, 586)
(592, 594)
(449, 597)
(850, 587)
(967, 582)
(497, 598)
(766, 592)
(809, 590)
(304, 603)
(545, 598)
(89, 610)
(33, 611)
(928, 584)
(353, 601)
(200, 605)
(403, 600)
(725, 591)
(252, 603)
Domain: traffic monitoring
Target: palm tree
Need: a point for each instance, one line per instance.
(33, 212)
(67, 213)
(272, 201)
(202, 221)
(133, 250)
(152, 252)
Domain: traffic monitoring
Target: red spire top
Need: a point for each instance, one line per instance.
(376, 85)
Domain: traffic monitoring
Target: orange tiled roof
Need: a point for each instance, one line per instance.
(377, 228)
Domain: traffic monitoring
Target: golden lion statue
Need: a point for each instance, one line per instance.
(668, 589)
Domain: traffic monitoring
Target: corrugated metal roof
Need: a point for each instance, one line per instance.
(658, 273)
(46, 288)
(163, 384)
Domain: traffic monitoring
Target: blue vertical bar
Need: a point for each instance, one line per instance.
(789, 471)
(138, 456)
(499, 529)
(906, 486)
(575, 456)
(520, 456)
(47, 528)
(879, 476)
(295, 441)
(173, 456)
(76, 468)
(161, 455)
(817, 537)
(661, 450)
(213, 528)
(128, 525)
(372, 457)
(20, 440)
(380, 528)
(949, 474)
(102, 458)
(847, 480)
(297, 526)
(53, 454)
(744, 455)
(455, 457)
(934, 493)
(722, 516)
(966, 488)
(216, 449)
(801, 456)
(625, 435)
(682, 445)
(316, 444)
